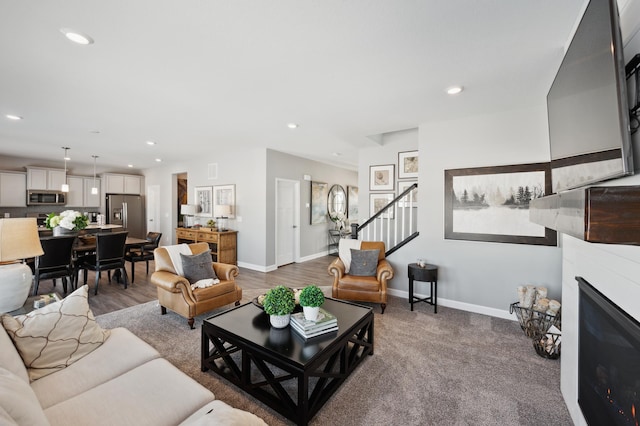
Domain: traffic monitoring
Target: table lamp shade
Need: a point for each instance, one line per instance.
(19, 239)
(223, 210)
(188, 209)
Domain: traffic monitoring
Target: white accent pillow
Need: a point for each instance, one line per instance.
(221, 414)
(174, 254)
(51, 338)
(344, 251)
(18, 401)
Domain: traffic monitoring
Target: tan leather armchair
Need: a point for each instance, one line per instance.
(363, 289)
(174, 291)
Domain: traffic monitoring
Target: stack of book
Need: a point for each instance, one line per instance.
(325, 323)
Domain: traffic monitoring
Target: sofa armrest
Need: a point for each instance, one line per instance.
(225, 271)
(169, 282)
(384, 272)
(336, 268)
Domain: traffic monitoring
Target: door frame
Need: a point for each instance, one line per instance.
(296, 219)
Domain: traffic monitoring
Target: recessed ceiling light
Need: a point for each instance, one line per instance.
(151, 143)
(76, 37)
(129, 165)
(454, 90)
(159, 160)
(13, 117)
(292, 125)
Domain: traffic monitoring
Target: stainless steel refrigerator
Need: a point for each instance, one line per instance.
(128, 211)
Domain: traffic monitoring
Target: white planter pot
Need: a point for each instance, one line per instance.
(311, 312)
(279, 321)
(60, 231)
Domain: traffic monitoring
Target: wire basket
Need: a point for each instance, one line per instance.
(547, 345)
(534, 323)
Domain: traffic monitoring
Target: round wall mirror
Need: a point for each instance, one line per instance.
(336, 201)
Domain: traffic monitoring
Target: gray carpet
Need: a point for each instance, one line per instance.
(450, 368)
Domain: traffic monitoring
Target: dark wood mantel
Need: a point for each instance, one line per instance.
(597, 214)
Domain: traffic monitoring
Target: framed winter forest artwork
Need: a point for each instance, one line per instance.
(492, 204)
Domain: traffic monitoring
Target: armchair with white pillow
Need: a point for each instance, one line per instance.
(190, 284)
(361, 272)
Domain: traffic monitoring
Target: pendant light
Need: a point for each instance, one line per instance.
(65, 186)
(94, 189)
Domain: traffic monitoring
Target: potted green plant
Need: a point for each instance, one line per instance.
(311, 298)
(211, 224)
(278, 303)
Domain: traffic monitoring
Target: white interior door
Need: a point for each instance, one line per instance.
(153, 208)
(287, 221)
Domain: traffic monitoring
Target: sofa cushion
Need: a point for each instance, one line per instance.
(18, 400)
(121, 352)
(51, 338)
(219, 413)
(364, 263)
(10, 358)
(155, 394)
(208, 293)
(197, 267)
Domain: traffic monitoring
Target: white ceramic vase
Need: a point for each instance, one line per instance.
(16, 283)
(280, 321)
(311, 312)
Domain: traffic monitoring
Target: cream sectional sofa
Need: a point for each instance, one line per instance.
(124, 381)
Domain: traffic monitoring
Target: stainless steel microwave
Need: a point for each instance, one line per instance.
(40, 197)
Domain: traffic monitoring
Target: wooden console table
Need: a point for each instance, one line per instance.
(222, 243)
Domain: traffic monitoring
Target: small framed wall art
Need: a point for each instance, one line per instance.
(411, 199)
(203, 199)
(319, 194)
(381, 178)
(408, 165)
(352, 203)
(379, 201)
(224, 201)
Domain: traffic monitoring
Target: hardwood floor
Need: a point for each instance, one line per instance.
(112, 296)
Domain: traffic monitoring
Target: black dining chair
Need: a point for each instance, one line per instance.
(56, 262)
(109, 256)
(142, 253)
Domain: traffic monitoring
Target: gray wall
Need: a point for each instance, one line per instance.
(313, 238)
(253, 173)
(477, 276)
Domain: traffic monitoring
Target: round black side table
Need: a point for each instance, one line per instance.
(428, 273)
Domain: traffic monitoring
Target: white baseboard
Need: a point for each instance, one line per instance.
(270, 268)
(258, 268)
(312, 256)
(493, 312)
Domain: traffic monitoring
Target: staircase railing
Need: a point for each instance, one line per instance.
(396, 224)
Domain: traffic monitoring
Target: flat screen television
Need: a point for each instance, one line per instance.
(587, 104)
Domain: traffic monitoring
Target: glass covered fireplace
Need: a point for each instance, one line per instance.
(608, 360)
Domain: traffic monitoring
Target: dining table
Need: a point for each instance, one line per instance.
(87, 244)
(84, 245)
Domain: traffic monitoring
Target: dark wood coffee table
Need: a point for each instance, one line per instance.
(292, 375)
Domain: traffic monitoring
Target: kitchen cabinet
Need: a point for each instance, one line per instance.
(44, 178)
(80, 192)
(76, 191)
(122, 184)
(13, 189)
(91, 200)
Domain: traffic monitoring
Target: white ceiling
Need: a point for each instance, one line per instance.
(208, 75)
